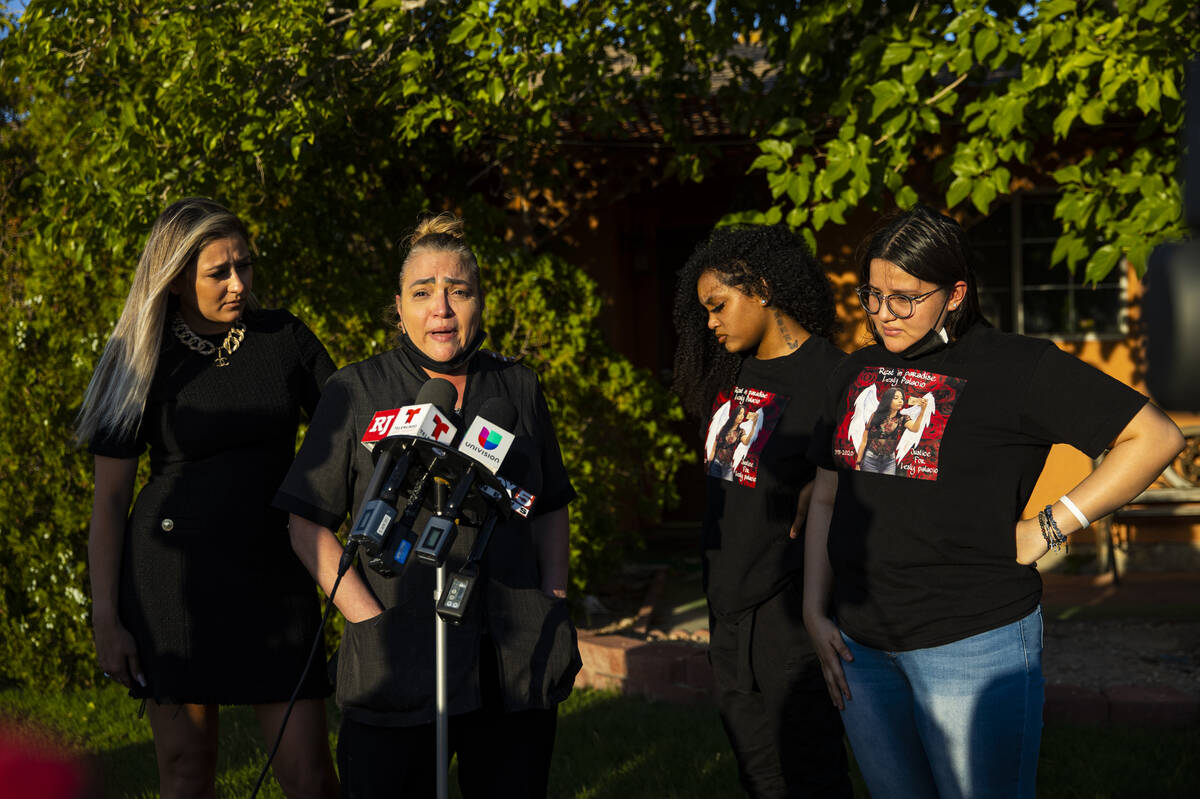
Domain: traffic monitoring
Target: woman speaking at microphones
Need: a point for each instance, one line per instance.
(513, 655)
(197, 599)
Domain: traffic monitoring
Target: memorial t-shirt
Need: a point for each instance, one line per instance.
(756, 459)
(923, 548)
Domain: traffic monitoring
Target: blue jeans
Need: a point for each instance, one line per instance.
(959, 720)
(879, 464)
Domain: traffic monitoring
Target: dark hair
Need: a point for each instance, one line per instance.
(930, 247)
(730, 424)
(885, 407)
(764, 261)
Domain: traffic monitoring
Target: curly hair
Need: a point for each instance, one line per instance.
(769, 262)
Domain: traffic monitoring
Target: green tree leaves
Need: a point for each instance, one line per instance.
(993, 96)
(329, 129)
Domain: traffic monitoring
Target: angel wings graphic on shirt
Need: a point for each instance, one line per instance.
(738, 431)
(865, 405)
(719, 418)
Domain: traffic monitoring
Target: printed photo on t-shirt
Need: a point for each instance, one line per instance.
(894, 420)
(741, 425)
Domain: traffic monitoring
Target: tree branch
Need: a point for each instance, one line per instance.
(947, 89)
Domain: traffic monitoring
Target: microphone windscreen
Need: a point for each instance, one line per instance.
(500, 412)
(438, 392)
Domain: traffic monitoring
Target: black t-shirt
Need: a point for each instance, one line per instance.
(922, 540)
(385, 670)
(755, 456)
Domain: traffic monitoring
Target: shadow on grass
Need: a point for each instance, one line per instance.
(102, 724)
(127, 771)
(622, 747)
(1118, 761)
(608, 747)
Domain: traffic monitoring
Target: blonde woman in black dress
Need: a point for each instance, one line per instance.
(198, 600)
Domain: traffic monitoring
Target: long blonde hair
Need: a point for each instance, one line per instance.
(116, 396)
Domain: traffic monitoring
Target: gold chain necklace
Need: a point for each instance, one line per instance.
(189, 339)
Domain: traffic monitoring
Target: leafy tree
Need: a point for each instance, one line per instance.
(331, 127)
(994, 96)
(329, 130)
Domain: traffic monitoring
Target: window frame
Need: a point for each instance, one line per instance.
(1072, 282)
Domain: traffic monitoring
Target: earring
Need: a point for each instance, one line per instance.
(762, 302)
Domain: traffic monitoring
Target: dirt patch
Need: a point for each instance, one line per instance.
(1103, 653)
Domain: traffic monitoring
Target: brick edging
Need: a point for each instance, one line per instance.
(672, 671)
(1133, 705)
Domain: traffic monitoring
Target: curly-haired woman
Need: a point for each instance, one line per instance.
(753, 312)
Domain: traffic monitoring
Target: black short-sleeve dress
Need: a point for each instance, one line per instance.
(220, 607)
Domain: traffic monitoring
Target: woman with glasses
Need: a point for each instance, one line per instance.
(754, 312)
(920, 592)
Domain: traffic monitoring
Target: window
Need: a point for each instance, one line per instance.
(1019, 290)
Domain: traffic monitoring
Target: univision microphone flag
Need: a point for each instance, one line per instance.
(487, 443)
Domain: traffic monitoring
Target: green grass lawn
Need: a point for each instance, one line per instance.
(609, 747)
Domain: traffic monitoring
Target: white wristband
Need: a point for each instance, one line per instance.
(1078, 514)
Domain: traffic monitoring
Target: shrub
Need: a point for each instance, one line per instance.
(328, 149)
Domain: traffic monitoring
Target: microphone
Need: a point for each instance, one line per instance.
(392, 435)
(486, 442)
(420, 418)
(488, 438)
(423, 419)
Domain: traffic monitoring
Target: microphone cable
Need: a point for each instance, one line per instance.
(343, 566)
(438, 392)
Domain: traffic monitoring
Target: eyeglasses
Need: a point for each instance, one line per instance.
(901, 306)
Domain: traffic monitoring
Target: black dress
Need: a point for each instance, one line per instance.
(220, 607)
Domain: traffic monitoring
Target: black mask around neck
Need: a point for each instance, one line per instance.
(931, 342)
(934, 339)
(442, 367)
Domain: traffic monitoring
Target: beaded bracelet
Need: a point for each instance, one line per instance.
(1059, 539)
(1041, 517)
